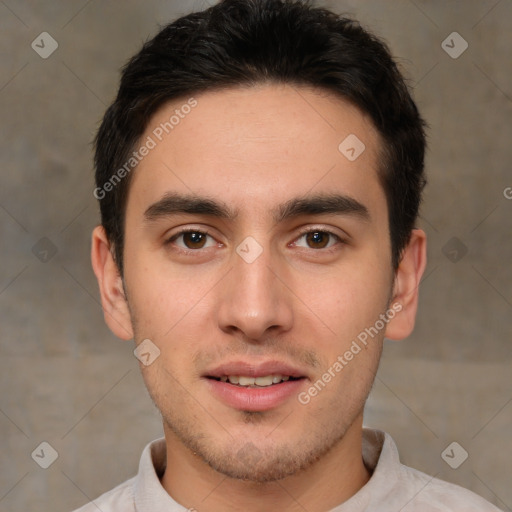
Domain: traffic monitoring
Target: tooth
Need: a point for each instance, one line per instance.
(286, 378)
(276, 379)
(263, 381)
(224, 378)
(233, 379)
(246, 381)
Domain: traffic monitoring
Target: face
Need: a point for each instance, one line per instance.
(255, 250)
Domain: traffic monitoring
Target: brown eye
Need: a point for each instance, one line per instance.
(192, 240)
(317, 239)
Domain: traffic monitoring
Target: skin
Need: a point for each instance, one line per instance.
(302, 300)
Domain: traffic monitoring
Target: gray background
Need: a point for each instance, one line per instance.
(66, 380)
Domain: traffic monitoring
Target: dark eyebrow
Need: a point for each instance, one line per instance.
(323, 204)
(177, 203)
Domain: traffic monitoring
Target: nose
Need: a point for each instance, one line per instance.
(254, 298)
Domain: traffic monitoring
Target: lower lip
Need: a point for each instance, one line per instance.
(254, 399)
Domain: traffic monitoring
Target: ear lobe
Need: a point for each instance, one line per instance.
(113, 299)
(406, 286)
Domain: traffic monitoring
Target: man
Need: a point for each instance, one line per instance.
(259, 177)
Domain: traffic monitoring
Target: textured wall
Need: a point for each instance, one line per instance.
(67, 381)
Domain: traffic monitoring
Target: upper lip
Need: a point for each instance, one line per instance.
(253, 369)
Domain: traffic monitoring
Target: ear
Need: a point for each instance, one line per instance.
(406, 286)
(113, 299)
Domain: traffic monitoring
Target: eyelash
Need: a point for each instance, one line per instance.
(302, 233)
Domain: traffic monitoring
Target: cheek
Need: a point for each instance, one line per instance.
(162, 298)
(348, 300)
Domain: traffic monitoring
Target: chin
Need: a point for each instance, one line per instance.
(257, 457)
(251, 464)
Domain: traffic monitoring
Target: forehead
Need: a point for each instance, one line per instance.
(255, 147)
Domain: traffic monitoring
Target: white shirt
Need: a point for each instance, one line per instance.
(392, 487)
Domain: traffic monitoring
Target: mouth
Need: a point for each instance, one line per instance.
(250, 387)
(255, 382)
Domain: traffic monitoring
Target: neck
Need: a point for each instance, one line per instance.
(332, 480)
